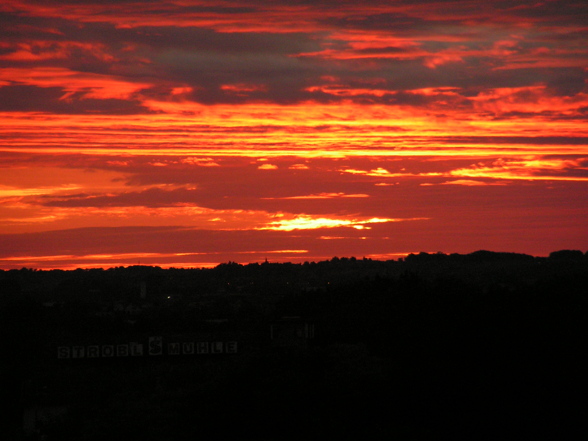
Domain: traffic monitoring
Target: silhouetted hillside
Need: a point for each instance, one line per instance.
(478, 346)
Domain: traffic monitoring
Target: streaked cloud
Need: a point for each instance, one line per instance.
(466, 182)
(324, 196)
(520, 168)
(304, 222)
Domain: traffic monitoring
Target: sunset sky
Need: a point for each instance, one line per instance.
(189, 133)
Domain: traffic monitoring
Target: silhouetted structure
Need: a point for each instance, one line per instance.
(291, 332)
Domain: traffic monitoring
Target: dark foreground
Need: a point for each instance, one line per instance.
(484, 346)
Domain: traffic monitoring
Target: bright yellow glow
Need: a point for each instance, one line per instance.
(305, 222)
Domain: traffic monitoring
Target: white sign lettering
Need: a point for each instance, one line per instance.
(155, 347)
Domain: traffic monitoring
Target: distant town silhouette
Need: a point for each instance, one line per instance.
(484, 345)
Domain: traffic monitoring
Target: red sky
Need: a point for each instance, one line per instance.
(189, 133)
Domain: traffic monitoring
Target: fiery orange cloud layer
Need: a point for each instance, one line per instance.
(305, 131)
(189, 132)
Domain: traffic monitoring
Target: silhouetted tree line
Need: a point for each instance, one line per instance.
(480, 346)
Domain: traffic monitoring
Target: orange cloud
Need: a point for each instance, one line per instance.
(89, 85)
(531, 169)
(467, 183)
(519, 168)
(532, 99)
(324, 196)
